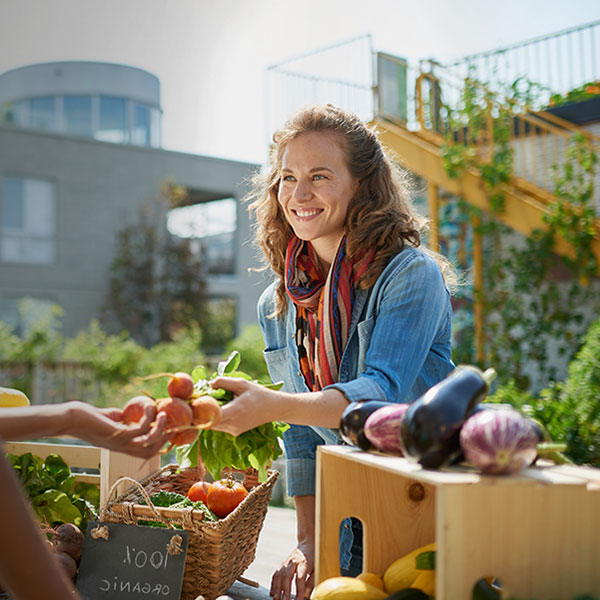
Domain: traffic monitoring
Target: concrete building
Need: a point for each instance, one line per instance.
(80, 156)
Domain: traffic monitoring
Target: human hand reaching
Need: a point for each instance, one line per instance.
(298, 567)
(102, 427)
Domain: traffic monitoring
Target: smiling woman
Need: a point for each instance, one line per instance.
(357, 310)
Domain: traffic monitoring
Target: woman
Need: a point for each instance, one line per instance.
(357, 311)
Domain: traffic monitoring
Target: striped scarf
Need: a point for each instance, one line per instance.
(323, 307)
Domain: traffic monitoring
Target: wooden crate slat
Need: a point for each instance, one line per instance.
(74, 455)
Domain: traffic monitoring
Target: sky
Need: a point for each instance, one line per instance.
(211, 56)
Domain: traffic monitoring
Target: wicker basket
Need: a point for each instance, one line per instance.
(218, 552)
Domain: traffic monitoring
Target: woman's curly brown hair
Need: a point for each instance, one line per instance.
(380, 215)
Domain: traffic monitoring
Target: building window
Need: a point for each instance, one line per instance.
(213, 225)
(78, 115)
(21, 314)
(113, 120)
(140, 135)
(28, 224)
(42, 113)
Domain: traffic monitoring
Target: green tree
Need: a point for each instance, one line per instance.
(157, 283)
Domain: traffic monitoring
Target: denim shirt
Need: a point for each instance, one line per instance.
(398, 347)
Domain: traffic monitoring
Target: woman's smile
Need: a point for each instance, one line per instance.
(307, 214)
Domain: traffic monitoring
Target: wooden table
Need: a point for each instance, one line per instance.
(537, 531)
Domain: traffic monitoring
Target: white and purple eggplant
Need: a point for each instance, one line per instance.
(499, 441)
(382, 428)
(353, 420)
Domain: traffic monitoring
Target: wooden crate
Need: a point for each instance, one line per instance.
(111, 465)
(538, 531)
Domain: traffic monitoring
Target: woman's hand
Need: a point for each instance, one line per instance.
(299, 566)
(101, 427)
(253, 405)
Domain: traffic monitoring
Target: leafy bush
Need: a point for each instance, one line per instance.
(250, 344)
(569, 410)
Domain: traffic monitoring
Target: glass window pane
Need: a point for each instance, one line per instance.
(112, 120)
(29, 221)
(42, 113)
(141, 125)
(39, 207)
(14, 112)
(154, 127)
(14, 249)
(12, 204)
(78, 115)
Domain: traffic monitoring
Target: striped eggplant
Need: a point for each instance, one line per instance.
(382, 428)
(353, 420)
(499, 441)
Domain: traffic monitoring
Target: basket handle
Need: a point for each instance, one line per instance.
(104, 509)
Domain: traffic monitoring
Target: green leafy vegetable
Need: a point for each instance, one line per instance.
(256, 448)
(174, 500)
(165, 499)
(51, 488)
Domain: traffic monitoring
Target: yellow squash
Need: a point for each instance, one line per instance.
(10, 397)
(346, 588)
(403, 571)
(425, 582)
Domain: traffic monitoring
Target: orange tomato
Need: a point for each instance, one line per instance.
(224, 496)
(199, 491)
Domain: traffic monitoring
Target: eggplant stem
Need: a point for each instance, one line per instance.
(489, 375)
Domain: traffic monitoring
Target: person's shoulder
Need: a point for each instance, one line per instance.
(413, 259)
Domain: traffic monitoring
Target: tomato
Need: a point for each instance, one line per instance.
(198, 491)
(224, 496)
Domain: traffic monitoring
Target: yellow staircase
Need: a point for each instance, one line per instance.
(538, 141)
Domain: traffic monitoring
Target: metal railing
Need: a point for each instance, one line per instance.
(556, 62)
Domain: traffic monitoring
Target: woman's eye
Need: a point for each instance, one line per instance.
(287, 178)
(319, 176)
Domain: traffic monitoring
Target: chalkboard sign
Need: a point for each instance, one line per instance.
(131, 561)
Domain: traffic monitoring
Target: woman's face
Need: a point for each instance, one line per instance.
(316, 189)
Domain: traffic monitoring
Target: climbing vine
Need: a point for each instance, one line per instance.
(536, 303)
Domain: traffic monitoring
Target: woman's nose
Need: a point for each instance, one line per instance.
(302, 190)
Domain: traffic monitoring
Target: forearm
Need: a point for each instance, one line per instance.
(29, 422)
(305, 518)
(22, 545)
(318, 409)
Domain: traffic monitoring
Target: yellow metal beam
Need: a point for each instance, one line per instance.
(523, 210)
(478, 307)
(433, 200)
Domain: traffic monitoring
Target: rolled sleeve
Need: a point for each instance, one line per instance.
(363, 388)
(301, 444)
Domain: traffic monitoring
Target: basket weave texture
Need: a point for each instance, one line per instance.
(218, 551)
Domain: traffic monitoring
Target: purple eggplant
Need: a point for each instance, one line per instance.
(382, 428)
(353, 421)
(500, 441)
(430, 428)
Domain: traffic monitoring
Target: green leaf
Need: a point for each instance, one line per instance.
(199, 373)
(187, 455)
(274, 386)
(56, 507)
(230, 364)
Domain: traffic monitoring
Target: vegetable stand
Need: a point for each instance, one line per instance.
(112, 465)
(538, 531)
